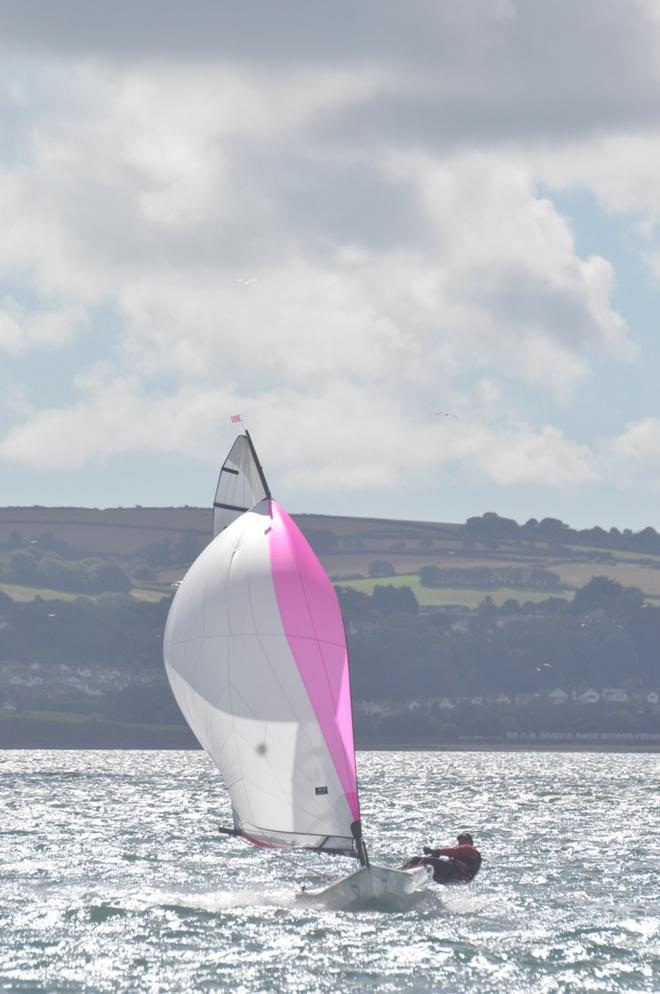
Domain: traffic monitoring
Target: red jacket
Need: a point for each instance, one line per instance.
(466, 858)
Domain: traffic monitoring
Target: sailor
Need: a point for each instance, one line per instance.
(460, 865)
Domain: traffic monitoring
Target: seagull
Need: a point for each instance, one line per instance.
(444, 414)
(252, 279)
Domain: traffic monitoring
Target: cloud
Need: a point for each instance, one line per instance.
(523, 456)
(617, 166)
(336, 438)
(22, 329)
(112, 416)
(633, 456)
(382, 186)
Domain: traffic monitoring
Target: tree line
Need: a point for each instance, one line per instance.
(36, 568)
(491, 527)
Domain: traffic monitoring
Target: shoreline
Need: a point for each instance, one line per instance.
(52, 730)
(497, 745)
(138, 743)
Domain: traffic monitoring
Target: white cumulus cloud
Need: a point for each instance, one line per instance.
(329, 229)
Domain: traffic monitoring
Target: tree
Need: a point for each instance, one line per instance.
(381, 567)
(601, 592)
(391, 600)
(143, 572)
(110, 577)
(15, 540)
(355, 605)
(23, 567)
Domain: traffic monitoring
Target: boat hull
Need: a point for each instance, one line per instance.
(369, 883)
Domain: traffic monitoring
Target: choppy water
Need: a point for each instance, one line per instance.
(113, 879)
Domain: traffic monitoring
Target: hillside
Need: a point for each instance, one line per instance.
(514, 638)
(357, 552)
(114, 530)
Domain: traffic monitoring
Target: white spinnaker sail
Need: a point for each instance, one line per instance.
(255, 652)
(241, 484)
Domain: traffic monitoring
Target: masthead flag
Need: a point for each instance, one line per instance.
(234, 418)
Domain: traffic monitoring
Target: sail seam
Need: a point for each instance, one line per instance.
(232, 689)
(278, 681)
(317, 640)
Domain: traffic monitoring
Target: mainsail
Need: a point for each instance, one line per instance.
(255, 652)
(241, 484)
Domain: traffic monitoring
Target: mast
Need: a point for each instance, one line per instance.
(360, 845)
(262, 476)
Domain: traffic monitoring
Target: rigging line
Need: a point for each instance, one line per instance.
(288, 859)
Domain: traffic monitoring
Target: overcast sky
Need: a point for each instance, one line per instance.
(415, 245)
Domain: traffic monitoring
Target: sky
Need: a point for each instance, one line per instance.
(416, 246)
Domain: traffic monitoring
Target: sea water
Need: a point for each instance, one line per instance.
(114, 878)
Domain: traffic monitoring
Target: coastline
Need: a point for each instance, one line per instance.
(128, 739)
(501, 745)
(61, 730)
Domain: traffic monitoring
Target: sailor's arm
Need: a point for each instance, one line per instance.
(451, 851)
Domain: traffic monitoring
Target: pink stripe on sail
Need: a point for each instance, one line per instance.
(313, 625)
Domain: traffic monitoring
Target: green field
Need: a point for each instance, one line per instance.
(347, 546)
(439, 597)
(150, 594)
(642, 557)
(23, 594)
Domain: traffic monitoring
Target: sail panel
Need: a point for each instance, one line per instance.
(315, 630)
(241, 484)
(232, 668)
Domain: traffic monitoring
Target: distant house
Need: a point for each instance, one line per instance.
(369, 708)
(590, 696)
(596, 617)
(614, 695)
(558, 696)
(502, 699)
(652, 697)
(510, 619)
(460, 627)
(525, 698)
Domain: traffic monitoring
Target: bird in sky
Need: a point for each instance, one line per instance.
(252, 279)
(445, 414)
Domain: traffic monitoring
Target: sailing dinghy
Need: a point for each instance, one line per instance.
(255, 652)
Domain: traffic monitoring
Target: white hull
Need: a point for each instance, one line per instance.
(370, 883)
